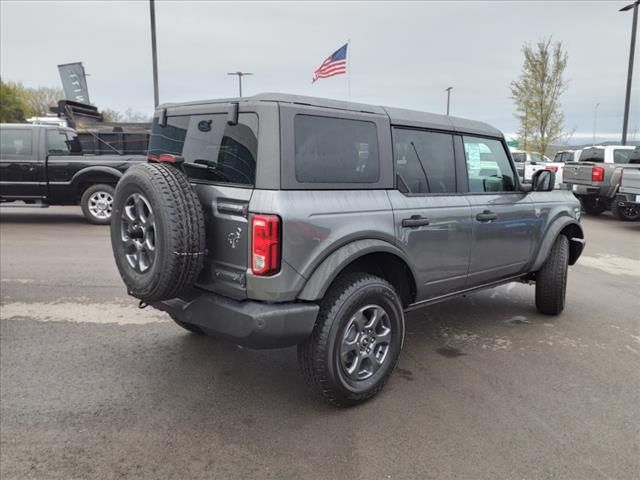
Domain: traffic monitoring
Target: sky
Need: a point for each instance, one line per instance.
(401, 54)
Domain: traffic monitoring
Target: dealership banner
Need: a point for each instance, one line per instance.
(74, 82)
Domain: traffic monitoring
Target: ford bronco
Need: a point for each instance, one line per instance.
(281, 220)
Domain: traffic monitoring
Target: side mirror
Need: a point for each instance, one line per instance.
(543, 180)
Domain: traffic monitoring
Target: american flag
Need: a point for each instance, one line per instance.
(336, 64)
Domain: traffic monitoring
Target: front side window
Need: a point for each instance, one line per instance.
(488, 166)
(15, 142)
(425, 161)
(335, 150)
(213, 150)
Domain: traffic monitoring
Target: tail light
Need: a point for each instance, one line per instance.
(597, 174)
(164, 158)
(553, 168)
(265, 244)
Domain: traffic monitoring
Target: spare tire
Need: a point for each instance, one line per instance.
(157, 231)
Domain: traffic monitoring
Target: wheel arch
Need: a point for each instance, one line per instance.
(568, 227)
(86, 177)
(369, 255)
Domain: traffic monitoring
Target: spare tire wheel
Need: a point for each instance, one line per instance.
(157, 231)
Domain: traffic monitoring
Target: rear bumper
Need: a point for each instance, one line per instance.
(584, 190)
(247, 323)
(627, 200)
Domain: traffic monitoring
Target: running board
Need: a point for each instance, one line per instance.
(23, 205)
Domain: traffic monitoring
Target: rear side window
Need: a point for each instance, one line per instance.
(335, 150)
(15, 142)
(488, 166)
(622, 155)
(213, 150)
(61, 142)
(425, 161)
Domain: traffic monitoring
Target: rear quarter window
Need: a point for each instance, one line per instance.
(335, 150)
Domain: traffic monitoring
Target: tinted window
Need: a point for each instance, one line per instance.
(212, 150)
(592, 155)
(425, 161)
(15, 142)
(635, 156)
(519, 157)
(335, 150)
(58, 143)
(488, 166)
(621, 155)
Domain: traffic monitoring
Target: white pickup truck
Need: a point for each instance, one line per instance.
(533, 162)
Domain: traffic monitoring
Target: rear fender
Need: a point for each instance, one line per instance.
(324, 275)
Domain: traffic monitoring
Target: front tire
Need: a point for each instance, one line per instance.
(97, 203)
(356, 341)
(551, 279)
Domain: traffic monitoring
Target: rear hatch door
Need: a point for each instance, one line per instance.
(220, 161)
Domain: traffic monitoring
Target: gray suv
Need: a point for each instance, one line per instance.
(280, 220)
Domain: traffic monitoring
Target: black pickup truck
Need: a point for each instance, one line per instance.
(43, 165)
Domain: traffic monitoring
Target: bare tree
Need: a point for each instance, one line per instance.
(129, 116)
(537, 94)
(40, 99)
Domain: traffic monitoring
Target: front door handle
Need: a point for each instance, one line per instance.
(486, 216)
(415, 221)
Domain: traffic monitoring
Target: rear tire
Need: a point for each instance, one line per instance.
(157, 232)
(626, 214)
(356, 341)
(592, 205)
(97, 203)
(551, 279)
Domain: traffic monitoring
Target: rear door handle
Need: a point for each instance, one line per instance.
(415, 221)
(486, 216)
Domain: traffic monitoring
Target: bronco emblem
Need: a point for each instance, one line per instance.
(234, 237)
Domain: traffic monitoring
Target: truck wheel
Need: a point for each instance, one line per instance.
(157, 232)
(97, 204)
(626, 213)
(592, 206)
(551, 279)
(356, 341)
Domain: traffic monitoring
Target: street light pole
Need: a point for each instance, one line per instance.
(448, 90)
(632, 49)
(240, 75)
(595, 122)
(154, 53)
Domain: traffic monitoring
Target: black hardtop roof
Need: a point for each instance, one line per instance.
(397, 116)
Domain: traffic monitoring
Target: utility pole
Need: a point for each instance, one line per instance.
(154, 53)
(448, 90)
(632, 49)
(240, 75)
(595, 122)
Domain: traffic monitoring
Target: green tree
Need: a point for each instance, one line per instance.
(537, 92)
(13, 103)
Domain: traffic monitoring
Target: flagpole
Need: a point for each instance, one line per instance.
(349, 71)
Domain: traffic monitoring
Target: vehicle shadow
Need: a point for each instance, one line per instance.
(34, 215)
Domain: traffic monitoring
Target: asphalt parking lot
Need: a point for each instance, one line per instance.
(92, 387)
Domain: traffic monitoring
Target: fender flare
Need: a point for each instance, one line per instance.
(322, 277)
(576, 240)
(81, 175)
